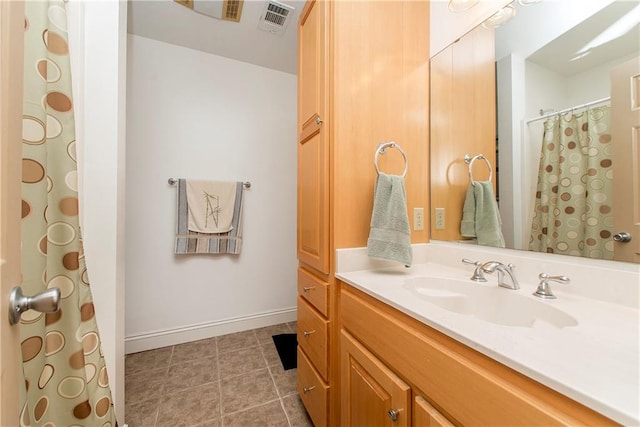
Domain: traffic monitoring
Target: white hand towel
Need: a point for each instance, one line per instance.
(211, 206)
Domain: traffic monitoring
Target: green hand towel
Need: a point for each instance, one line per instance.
(480, 215)
(390, 234)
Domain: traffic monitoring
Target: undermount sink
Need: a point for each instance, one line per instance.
(489, 303)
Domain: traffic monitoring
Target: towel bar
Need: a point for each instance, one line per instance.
(469, 160)
(173, 181)
(382, 147)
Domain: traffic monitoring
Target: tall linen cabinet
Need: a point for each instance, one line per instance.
(363, 79)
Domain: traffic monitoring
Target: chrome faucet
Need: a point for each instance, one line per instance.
(503, 271)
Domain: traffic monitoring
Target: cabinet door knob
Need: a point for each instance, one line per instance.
(318, 120)
(308, 288)
(307, 333)
(393, 414)
(306, 390)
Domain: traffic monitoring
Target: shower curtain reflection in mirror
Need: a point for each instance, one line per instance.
(573, 202)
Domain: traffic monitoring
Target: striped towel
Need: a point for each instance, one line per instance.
(191, 242)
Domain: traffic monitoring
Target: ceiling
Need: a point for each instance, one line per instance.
(569, 41)
(594, 41)
(170, 22)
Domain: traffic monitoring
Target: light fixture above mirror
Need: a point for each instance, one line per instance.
(461, 5)
(500, 17)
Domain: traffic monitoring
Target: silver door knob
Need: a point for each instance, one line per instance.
(622, 237)
(44, 302)
(318, 120)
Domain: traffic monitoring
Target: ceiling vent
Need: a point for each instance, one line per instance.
(227, 10)
(275, 17)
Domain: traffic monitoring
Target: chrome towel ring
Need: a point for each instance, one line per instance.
(469, 160)
(382, 148)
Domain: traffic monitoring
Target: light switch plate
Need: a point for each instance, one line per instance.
(418, 219)
(440, 219)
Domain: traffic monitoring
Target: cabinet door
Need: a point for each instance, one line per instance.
(313, 149)
(425, 415)
(372, 395)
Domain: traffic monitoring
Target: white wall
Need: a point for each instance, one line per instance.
(195, 115)
(97, 33)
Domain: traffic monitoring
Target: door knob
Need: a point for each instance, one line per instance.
(44, 302)
(393, 414)
(622, 237)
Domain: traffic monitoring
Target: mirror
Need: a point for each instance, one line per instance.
(552, 56)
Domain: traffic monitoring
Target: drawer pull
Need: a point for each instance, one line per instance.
(307, 333)
(308, 288)
(306, 390)
(393, 414)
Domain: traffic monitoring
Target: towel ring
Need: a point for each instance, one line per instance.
(382, 148)
(469, 160)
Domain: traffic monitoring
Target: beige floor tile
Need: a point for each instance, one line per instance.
(285, 380)
(194, 350)
(141, 414)
(247, 390)
(147, 360)
(236, 341)
(239, 362)
(270, 414)
(293, 326)
(190, 407)
(270, 354)
(265, 334)
(145, 385)
(191, 374)
(296, 413)
(211, 423)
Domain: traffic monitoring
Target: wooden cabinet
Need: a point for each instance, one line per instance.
(359, 83)
(461, 386)
(313, 149)
(372, 395)
(462, 86)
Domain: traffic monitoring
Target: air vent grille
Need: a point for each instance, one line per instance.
(232, 10)
(275, 17)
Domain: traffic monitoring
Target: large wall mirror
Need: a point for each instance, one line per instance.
(552, 65)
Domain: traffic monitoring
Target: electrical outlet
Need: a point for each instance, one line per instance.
(418, 219)
(439, 218)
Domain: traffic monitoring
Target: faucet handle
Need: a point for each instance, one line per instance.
(544, 290)
(477, 276)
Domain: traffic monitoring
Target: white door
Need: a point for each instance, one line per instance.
(625, 122)
(11, 54)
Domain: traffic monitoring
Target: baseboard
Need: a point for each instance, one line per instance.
(168, 337)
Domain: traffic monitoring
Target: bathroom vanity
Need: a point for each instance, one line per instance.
(406, 355)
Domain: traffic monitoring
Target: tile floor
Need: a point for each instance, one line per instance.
(230, 380)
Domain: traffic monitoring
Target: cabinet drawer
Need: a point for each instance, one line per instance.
(425, 415)
(313, 335)
(312, 390)
(314, 290)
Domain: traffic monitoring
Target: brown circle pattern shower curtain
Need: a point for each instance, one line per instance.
(66, 382)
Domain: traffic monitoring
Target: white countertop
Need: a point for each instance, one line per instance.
(595, 363)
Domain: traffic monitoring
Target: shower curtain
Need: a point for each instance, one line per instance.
(573, 206)
(65, 377)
